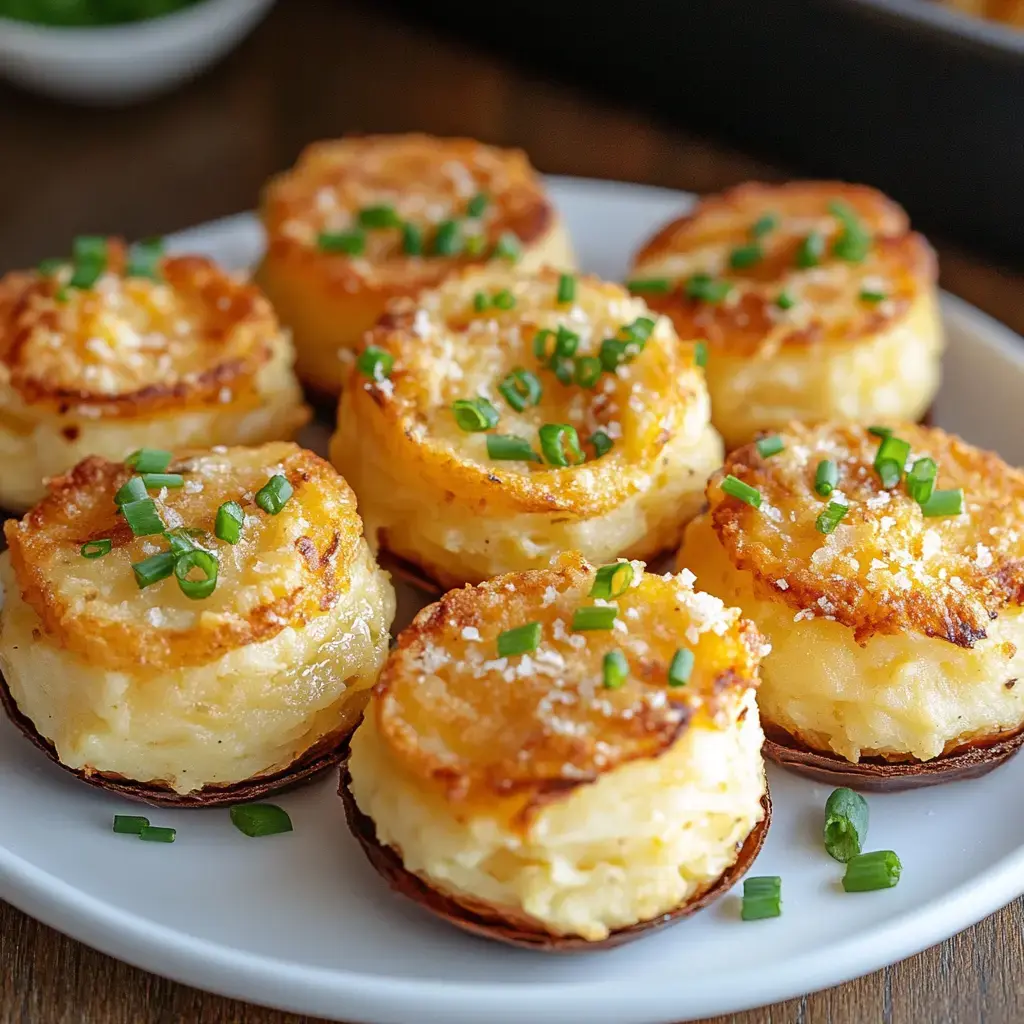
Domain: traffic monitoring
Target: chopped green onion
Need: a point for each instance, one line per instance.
(510, 448)
(658, 285)
(614, 669)
(504, 299)
(889, 472)
(921, 480)
(880, 869)
(133, 489)
(826, 477)
(51, 266)
(594, 616)
(744, 492)
(448, 240)
(768, 446)
(258, 820)
(784, 300)
(521, 640)
(853, 241)
(375, 363)
(154, 481)
(96, 548)
(846, 824)
(611, 581)
(588, 371)
(746, 256)
(700, 354)
(880, 431)
(602, 443)
(762, 898)
(761, 227)
(890, 460)
(152, 834)
(129, 824)
(143, 517)
(477, 204)
(680, 667)
(144, 259)
(869, 295)
(481, 302)
(351, 243)
(704, 288)
(230, 520)
(564, 369)
(566, 289)
(475, 244)
(474, 414)
(544, 345)
(206, 563)
(829, 519)
(520, 389)
(561, 444)
(566, 342)
(944, 503)
(612, 353)
(149, 460)
(810, 250)
(412, 239)
(274, 494)
(382, 215)
(180, 539)
(90, 258)
(639, 330)
(508, 247)
(153, 569)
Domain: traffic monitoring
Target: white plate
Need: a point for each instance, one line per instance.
(303, 923)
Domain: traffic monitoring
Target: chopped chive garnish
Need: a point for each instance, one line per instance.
(658, 285)
(700, 353)
(561, 444)
(154, 481)
(143, 518)
(230, 520)
(602, 443)
(510, 448)
(761, 227)
(784, 300)
(258, 820)
(477, 205)
(520, 389)
(704, 288)
(521, 640)
(866, 872)
(382, 215)
(869, 295)
(474, 245)
(96, 548)
(205, 563)
(474, 414)
(762, 898)
(153, 834)
(566, 342)
(481, 302)
(829, 519)
(153, 569)
(51, 266)
(880, 431)
(375, 363)
(448, 239)
(890, 459)
(564, 369)
(149, 460)
(611, 581)
(853, 241)
(680, 667)
(944, 503)
(826, 477)
(412, 239)
(614, 669)
(846, 824)
(274, 494)
(566, 289)
(593, 616)
(504, 299)
(744, 492)
(133, 489)
(746, 256)
(810, 250)
(768, 446)
(588, 371)
(90, 259)
(544, 345)
(889, 472)
(921, 480)
(508, 247)
(180, 540)
(144, 259)
(351, 243)
(639, 330)
(612, 353)
(129, 824)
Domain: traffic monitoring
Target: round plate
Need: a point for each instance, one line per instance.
(302, 922)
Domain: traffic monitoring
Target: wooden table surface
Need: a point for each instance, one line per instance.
(317, 69)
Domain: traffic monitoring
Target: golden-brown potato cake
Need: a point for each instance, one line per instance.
(557, 795)
(184, 699)
(898, 638)
(362, 220)
(191, 356)
(432, 492)
(814, 299)
(1010, 12)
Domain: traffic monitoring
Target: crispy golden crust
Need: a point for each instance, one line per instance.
(513, 927)
(828, 308)
(886, 569)
(130, 346)
(286, 569)
(529, 729)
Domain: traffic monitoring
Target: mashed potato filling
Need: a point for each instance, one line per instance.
(252, 711)
(639, 842)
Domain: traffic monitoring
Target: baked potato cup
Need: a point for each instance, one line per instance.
(360, 221)
(188, 356)
(457, 506)
(897, 638)
(815, 300)
(191, 698)
(533, 797)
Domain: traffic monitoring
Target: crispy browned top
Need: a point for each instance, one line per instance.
(427, 180)
(886, 568)
(827, 298)
(130, 346)
(531, 726)
(286, 569)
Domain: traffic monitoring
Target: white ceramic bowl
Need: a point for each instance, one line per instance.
(119, 64)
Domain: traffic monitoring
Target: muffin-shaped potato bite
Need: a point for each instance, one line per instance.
(887, 572)
(814, 299)
(502, 418)
(360, 221)
(210, 641)
(120, 347)
(564, 756)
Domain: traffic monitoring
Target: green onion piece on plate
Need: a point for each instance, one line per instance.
(810, 250)
(762, 898)
(383, 215)
(566, 289)
(90, 260)
(826, 476)
(129, 824)
(153, 569)
(921, 480)
(654, 285)
(830, 518)
(944, 503)
(561, 444)
(481, 301)
(143, 517)
(375, 363)
(612, 581)
(763, 225)
(149, 460)
(274, 494)
(258, 820)
(890, 459)
(230, 520)
(614, 669)
(133, 489)
(784, 300)
(477, 204)
(50, 267)
(746, 256)
(588, 371)
(866, 872)
(154, 481)
(853, 242)
(508, 247)
(680, 667)
(846, 824)
(203, 561)
(474, 414)
(180, 540)
(96, 548)
(880, 431)
(448, 239)
(871, 296)
(768, 446)
(154, 834)
(566, 342)
(700, 354)
(744, 492)
(602, 443)
(412, 239)
(521, 640)
(704, 288)
(595, 616)
(520, 389)
(349, 243)
(510, 448)
(144, 259)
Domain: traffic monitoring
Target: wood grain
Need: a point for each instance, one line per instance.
(315, 69)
